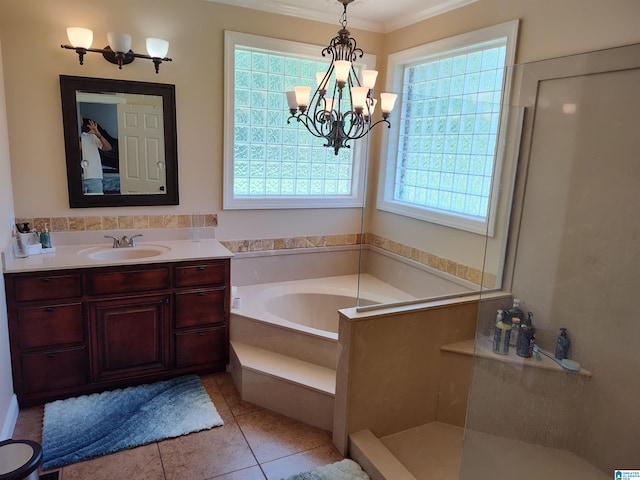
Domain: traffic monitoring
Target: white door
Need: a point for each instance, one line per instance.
(141, 143)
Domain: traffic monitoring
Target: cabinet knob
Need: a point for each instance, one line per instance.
(51, 355)
(49, 309)
(201, 294)
(201, 268)
(200, 334)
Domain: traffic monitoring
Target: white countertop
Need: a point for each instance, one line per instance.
(72, 256)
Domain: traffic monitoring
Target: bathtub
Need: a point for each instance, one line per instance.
(311, 306)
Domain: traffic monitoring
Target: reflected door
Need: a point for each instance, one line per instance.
(141, 128)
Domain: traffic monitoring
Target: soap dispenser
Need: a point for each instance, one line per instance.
(45, 237)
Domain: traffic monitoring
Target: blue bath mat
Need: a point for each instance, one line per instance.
(90, 426)
(343, 470)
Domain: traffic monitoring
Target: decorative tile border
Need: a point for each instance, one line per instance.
(459, 270)
(138, 222)
(474, 275)
(141, 222)
(266, 244)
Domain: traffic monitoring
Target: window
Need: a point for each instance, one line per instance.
(270, 163)
(442, 159)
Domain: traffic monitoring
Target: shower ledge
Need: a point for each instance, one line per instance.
(482, 347)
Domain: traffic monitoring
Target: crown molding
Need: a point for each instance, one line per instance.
(331, 15)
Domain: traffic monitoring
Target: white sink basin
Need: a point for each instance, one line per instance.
(124, 253)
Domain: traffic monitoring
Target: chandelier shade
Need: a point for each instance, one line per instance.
(341, 108)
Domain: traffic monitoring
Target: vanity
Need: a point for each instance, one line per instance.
(87, 319)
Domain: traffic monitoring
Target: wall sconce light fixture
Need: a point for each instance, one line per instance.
(119, 50)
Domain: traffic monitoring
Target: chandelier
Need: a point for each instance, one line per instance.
(343, 111)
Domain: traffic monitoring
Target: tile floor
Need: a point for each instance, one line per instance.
(253, 444)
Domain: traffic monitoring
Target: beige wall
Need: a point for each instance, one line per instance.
(548, 28)
(389, 366)
(6, 226)
(195, 29)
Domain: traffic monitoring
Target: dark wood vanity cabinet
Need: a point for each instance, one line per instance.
(80, 331)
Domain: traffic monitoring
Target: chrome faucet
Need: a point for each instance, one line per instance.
(124, 241)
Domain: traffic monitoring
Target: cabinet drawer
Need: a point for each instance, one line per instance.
(50, 325)
(128, 281)
(200, 307)
(206, 274)
(55, 370)
(47, 287)
(203, 347)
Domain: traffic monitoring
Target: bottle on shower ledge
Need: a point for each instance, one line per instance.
(526, 337)
(516, 317)
(501, 334)
(562, 345)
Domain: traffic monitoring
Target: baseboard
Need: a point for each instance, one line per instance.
(9, 423)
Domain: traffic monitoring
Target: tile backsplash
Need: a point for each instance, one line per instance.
(117, 222)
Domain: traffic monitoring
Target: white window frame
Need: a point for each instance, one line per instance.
(358, 148)
(397, 62)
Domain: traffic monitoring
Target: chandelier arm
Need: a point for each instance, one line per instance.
(309, 125)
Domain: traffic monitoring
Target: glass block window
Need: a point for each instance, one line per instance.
(270, 162)
(442, 163)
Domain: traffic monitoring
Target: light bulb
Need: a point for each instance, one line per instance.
(157, 47)
(291, 100)
(119, 42)
(302, 95)
(80, 37)
(369, 78)
(328, 106)
(342, 68)
(387, 102)
(372, 102)
(322, 83)
(359, 97)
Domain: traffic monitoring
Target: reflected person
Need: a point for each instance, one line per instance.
(91, 141)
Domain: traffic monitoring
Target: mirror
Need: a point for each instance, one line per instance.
(120, 142)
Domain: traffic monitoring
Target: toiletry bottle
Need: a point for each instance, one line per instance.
(562, 345)
(526, 337)
(45, 238)
(516, 317)
(501, 333)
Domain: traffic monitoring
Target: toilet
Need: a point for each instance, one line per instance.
(19, 459)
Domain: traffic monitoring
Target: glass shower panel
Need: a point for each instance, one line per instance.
(458, 159)
(573, 262)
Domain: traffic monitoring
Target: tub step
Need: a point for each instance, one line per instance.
(295, 388)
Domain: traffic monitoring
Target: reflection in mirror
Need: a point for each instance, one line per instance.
(120, 142)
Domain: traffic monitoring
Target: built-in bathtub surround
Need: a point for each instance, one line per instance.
(464, 272)
(472, 274)
(117, 222)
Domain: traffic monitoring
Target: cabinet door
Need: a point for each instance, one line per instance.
(130, 337)
(214, 273)
(201, 348)
(200, 307)
(50, 325)
(54, 371)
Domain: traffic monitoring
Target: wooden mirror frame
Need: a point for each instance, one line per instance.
(69, 85)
